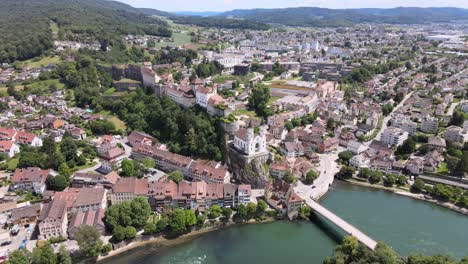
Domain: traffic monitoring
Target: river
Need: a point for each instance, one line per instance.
(406, 224)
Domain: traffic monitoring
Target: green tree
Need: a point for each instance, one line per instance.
(251, 210)
(261, 206)
(408, 147)
(140, 211)
(44, 255)
(346, 172)
(177, 223)
(364, 173)
(63, 256)
(128, 168)
(69, 150)
(190, 218)
(148, 163)
(310, 177)
(289, 177)
(65, 171)
(89, 240)
(375, 177)
(418, 186)
(304, 212)
(57, 183)
(162, 224)
(345, 156)
(150, 228)
(390, 180)
(106, 248)
(118, 233)
(227, 212)
(214, 212)
(201, 218)
(176, 176)
(19, 256)
(401, 180)
(458, 118)
(241, 213)
(288, 125)
(259, 98)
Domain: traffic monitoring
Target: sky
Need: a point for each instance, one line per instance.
(225, 5)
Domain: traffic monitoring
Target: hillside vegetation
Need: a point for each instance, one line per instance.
(26, 30)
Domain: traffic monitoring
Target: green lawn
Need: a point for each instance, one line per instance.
(180, 39)
(119, 124)
(39, 62)
(46, 84)
(248, 113)
(443, 168)
(272, 100)
(12, 164)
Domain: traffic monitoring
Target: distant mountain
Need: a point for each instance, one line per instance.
(199, 14)
(323, 17)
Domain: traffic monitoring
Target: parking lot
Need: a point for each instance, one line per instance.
(23, 238)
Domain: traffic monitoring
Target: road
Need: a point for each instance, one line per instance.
(453, 106)
(327, 168)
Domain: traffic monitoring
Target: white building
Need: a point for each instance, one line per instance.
(429, 124)
(356, 147)
(249, 141)
(394, 136)
(454, 134)
(203, 94)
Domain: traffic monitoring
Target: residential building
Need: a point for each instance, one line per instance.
(9, 148)
(437, 143)
(454, 134)
(53, 221)
(111, 158)
(394, 136)
(93, 217)
(26, 215)
(292, 149)
(356, 147)
(429, 124)
(128, 188)
(30, 179)
(243, 194)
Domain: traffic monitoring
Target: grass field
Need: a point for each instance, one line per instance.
(39, 62)
(119, 124)
(46, 84)
(248, 113)
(180, 39)
(12, 164)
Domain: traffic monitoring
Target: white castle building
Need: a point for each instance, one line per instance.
(250, 142)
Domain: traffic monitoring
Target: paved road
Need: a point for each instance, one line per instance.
(327, 168)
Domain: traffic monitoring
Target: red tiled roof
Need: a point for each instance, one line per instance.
(32, 174)
(131, 185)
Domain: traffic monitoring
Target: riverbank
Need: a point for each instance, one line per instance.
(421, 197)
(164, 242)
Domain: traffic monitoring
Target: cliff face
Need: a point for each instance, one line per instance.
(252, 172)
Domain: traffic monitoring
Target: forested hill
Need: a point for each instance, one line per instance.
(323, 17)
(26, 24)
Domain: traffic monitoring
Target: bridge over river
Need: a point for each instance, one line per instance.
(345, 226)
